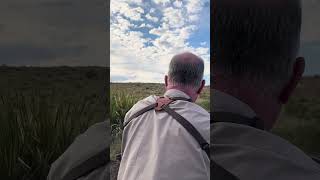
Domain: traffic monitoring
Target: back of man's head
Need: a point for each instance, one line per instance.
(186, 70)
(256, 40)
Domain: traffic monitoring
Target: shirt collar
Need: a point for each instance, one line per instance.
(223, 102)
(176, 93)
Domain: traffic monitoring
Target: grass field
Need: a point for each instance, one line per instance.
(42, 111)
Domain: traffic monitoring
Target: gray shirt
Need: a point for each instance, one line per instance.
(156, 147)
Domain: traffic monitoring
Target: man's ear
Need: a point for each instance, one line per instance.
(166, 80)
(203, 83)
(298, 70)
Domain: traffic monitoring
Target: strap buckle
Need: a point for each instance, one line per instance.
(119, 157)
(205, 146)
(162, 102)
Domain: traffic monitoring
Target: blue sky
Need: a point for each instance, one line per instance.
(145, 34)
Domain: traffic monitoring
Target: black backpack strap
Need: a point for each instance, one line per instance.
(237, 119)
(98, 160)
(153, 106)
(180, 98)
(190, 128)
(140, 112)
(218, 172)
(316, 159)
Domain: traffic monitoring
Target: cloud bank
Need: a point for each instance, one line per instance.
(145, 34)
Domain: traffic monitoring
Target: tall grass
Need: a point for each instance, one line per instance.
(120, 104)
(35, 130)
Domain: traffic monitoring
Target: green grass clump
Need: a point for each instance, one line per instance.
(35, 131)
(120, 104)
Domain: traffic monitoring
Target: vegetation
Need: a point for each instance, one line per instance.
(42, 111)
(299, 122)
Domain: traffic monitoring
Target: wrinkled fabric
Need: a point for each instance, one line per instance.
(250, 153)
(156, 147)
(86, 145)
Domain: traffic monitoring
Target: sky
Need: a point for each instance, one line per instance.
(53, 33)
(75, 33)
(145, 34)
(310, 36)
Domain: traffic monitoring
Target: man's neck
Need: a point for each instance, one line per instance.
(264, 106)
(190, 92)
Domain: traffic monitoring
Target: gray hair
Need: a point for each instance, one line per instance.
(256, 40)
(186, 70)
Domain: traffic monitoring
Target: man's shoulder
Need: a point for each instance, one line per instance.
(231, 133)
(180, 104)
(140, 105)
(94, 140)
(197, 108)
(234, 141)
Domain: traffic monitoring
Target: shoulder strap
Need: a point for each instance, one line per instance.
(96, 161)
(316, 159)
(140, 112)
(190, 128)
(153, 106)
(218, 172)
(237, 119)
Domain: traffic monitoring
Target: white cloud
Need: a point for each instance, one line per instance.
(126, 10)
(152, 10)
(162, 2)
(157, 31)
(149, 26)
(137, 1)
(193, 18)
(142, 25)
(178, 3)
(141, 56)
(152, 18)
(194, 6)
(174, 17)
